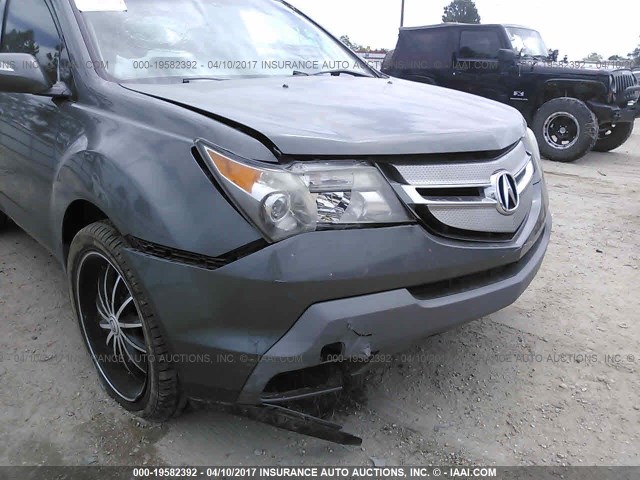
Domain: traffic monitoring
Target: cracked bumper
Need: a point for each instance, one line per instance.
(389, 322)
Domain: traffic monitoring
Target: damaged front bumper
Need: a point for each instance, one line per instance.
(298, 318)
(358, 329)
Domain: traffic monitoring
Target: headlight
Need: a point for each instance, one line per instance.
(305, 196)
(531, 146)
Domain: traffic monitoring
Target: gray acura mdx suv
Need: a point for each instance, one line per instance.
(246, 212)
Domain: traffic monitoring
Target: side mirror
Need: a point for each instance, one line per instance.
(553, 55)
(506, 56)
(22, 73)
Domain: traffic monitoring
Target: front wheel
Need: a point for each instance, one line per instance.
(613, 136)
(565, 129)
(118, 326)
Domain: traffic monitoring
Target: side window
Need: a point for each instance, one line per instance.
(479, 44)
(29, 28)
(428, 48)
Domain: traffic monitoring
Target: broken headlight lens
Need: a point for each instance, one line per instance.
(304, 196)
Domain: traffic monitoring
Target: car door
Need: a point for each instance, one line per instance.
(30, 125)
(476, 67)
(425, 55)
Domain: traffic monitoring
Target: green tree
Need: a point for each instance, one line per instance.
(616, 58)
(461, 11)
(635, 56)
(356, 47)
(20, 42)
(593, 57)
(347, 41)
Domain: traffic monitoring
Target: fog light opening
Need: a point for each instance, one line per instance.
(332, 352)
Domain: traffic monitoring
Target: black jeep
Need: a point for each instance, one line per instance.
(570, 107)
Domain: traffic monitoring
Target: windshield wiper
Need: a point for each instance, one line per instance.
(200, 79)
(335, 73)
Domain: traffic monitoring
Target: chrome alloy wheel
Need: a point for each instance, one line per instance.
(112, 326)
(561, 130)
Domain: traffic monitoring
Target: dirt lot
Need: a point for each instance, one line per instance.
(551, 380)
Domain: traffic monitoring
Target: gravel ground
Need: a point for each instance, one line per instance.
(551, 380)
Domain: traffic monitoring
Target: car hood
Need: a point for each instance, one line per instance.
(343, 115)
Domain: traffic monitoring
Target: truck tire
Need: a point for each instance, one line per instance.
(613, 137)
(118, 326)
(565, 129)
(3, 220)
(387, 63)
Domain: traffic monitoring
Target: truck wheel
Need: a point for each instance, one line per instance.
(3, 220)
(118, 326)
(387, 63)
(565, 128)
(613, 136)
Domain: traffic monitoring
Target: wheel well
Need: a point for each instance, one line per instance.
(580, 90)
(78, 215)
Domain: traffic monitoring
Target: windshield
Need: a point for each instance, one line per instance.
(165, 40)
(527, 43)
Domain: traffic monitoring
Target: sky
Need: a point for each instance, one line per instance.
(575, 27)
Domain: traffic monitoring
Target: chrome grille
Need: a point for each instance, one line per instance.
(461, 196)
(623, 79)
(467, 174)
(483, 219)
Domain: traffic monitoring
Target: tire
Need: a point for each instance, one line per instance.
(565, 128)
(139, 375)
(4, 220)
(387, 63)
(613, 137)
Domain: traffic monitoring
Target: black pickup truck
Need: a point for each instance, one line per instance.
(571, 107)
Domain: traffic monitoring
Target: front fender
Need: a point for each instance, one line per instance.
(152, 189)
(581, 88)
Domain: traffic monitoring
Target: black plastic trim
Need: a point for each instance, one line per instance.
(472, 281)
(194, 259)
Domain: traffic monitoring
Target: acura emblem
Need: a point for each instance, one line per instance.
(507, 196)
